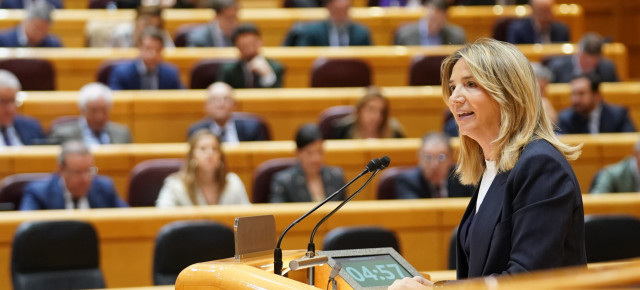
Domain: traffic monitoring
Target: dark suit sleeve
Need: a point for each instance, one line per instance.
(627, 124)
(278, 190)
(30, 200)
(547, 215)
(110, 194)
(278, 69)
(405, 189)
(117, 79)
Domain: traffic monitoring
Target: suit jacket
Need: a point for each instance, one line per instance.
(410, 34)
(202, 36)
(29, 130)
(19, 4)
(618, 177)
(317, 34)
(233, 74)
(72, 131)
(521, 31)
(248, 130)
(125, 76)
(9, 38)
(563, 69)
(412, 184)
(532, 218)
(613, 119)
(49, 194)
(290, 185)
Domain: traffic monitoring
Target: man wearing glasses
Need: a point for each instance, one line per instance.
(16, 130)
(76, 185)
(434, 176)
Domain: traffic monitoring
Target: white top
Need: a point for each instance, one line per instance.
(173, 193)
(487, 178)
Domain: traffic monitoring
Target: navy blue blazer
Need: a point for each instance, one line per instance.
(9, 38)
(29, 130)
(317, 34)
(19, 4)
(532, 218)
(412, 184)
(521, 31)
(125, 76)
(613, 119)
(247, 129)
(48, 194)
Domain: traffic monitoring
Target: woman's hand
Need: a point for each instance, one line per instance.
(416, 282)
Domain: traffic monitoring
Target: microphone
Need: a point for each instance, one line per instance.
(381, 164)
(277, 252)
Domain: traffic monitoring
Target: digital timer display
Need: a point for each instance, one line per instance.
(373, 270)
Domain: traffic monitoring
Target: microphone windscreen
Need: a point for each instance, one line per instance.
(384, 162)
(373, 165)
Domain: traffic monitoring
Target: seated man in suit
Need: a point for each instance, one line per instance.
(588, 58)
(252, 70)
(219, 107)
(216, 33)
(338, 30)
(620, 177)
(93, 127)
(16, 130)
(434, 176)
(34, 30)
(75, 185)
(309, 179)
(589, 113)
(432, 29)
(148, 72)
(539, 28)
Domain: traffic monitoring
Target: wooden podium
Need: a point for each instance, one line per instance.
(249, 273)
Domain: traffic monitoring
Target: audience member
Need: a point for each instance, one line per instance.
(589, 113)
(588, 58)
(431, 29)
(204, 179)
(75, 185)
(370, 120)
(434, 176)
(219, 107)
(34, 30)
(128, 34)
(539, 28)
(252, 70)
(620, 177)
(16, 130)
(148, 72)
(93, 127)
(545, 76)
(216, 33)
(22, 4)
(338, 30)
(309, 179)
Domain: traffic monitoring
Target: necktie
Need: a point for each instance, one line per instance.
(98, 136)
(147, 81)
(5, 136)
(223, 135)
(75, 202)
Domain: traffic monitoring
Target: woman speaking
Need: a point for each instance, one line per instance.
(526, 213)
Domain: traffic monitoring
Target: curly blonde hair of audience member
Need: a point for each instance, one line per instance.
(506, 75)
(373, 93)
(188, 173)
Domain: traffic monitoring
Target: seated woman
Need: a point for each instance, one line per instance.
(309, 179)
(204, 180)
(370, 120)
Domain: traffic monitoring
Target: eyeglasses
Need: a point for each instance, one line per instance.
(431, 158)
(90, 172)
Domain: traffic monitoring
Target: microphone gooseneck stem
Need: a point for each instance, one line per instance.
(311, 246)
(277, 254)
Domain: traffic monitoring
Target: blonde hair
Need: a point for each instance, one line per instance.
(188, 172)
(506, 75)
